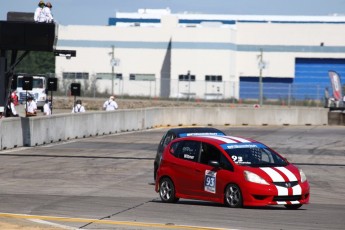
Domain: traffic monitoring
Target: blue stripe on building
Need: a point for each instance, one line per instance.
(114, 21)
(200, 45)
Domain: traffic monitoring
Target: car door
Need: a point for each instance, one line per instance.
(211, 180)
(187, 153)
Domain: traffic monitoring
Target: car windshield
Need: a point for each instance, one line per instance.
(253, 155)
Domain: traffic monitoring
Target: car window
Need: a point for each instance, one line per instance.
(253, 154)
(162, 140)
(209, 153)
(168, 138)
(225, 163)
(187, 150)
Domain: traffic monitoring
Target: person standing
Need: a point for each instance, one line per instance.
(11, 109)
(47, 12)
(46, 108)
(14, 97)
(110, 105)
(39, 15)
(78, 108)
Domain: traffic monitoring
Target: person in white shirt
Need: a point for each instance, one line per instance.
(43, 12)
(78, 108)
(110, 105)
(46, 108)
(39, 15)
(31, 107)
(11, 110)
(47, 12)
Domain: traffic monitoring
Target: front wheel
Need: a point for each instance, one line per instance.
(233, 196)
(293, 206)
(167, 191)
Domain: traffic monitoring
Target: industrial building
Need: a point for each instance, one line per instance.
(157, 53)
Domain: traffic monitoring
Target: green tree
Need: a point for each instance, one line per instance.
(36, 63)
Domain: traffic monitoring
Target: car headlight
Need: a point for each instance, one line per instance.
(303, 176)
(252, 177)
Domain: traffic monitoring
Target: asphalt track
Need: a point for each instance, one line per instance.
(105, 182)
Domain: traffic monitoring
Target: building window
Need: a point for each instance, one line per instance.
(186, 77)
(75, 75)
(213, 78)
(109, 76)
(142, 77)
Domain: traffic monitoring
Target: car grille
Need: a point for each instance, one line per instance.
(287, 198)
(286, 184)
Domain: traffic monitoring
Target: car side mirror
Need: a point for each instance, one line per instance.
(214, 164)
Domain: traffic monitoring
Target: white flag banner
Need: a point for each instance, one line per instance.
(336, 85)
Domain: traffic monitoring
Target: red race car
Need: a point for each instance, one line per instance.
(231, 170)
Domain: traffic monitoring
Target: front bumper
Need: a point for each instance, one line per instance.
(262, 195)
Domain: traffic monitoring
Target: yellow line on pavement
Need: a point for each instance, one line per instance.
(111, 222)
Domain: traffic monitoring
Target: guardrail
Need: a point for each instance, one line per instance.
(33, 131)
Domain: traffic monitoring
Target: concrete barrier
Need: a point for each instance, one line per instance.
(33, 131)
(336, 117)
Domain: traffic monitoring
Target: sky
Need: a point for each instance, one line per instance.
(97, 12)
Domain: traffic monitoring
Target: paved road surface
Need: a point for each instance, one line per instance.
(106, 183)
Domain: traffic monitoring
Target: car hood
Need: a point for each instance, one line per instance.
(276, 174)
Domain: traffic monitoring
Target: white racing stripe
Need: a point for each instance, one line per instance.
(296, 190)
(240, 139)
(275, 176)
(281, 202)
(282, 191)
(226, 140)
(287, 173)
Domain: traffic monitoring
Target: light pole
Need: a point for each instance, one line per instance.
(188, 74)
(112, 63)
(261, 67)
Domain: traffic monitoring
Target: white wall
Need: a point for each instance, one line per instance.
(142, 50)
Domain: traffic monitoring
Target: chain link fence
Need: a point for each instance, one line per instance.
(289, 94)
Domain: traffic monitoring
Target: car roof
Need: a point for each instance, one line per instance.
(191, 131)
(226, 142)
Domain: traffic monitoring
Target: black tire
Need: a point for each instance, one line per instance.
(233, 196)
(293, 206)
(167, 191)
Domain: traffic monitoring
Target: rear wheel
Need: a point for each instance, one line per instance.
(167, 191)
(293, 206)
(233, 196)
